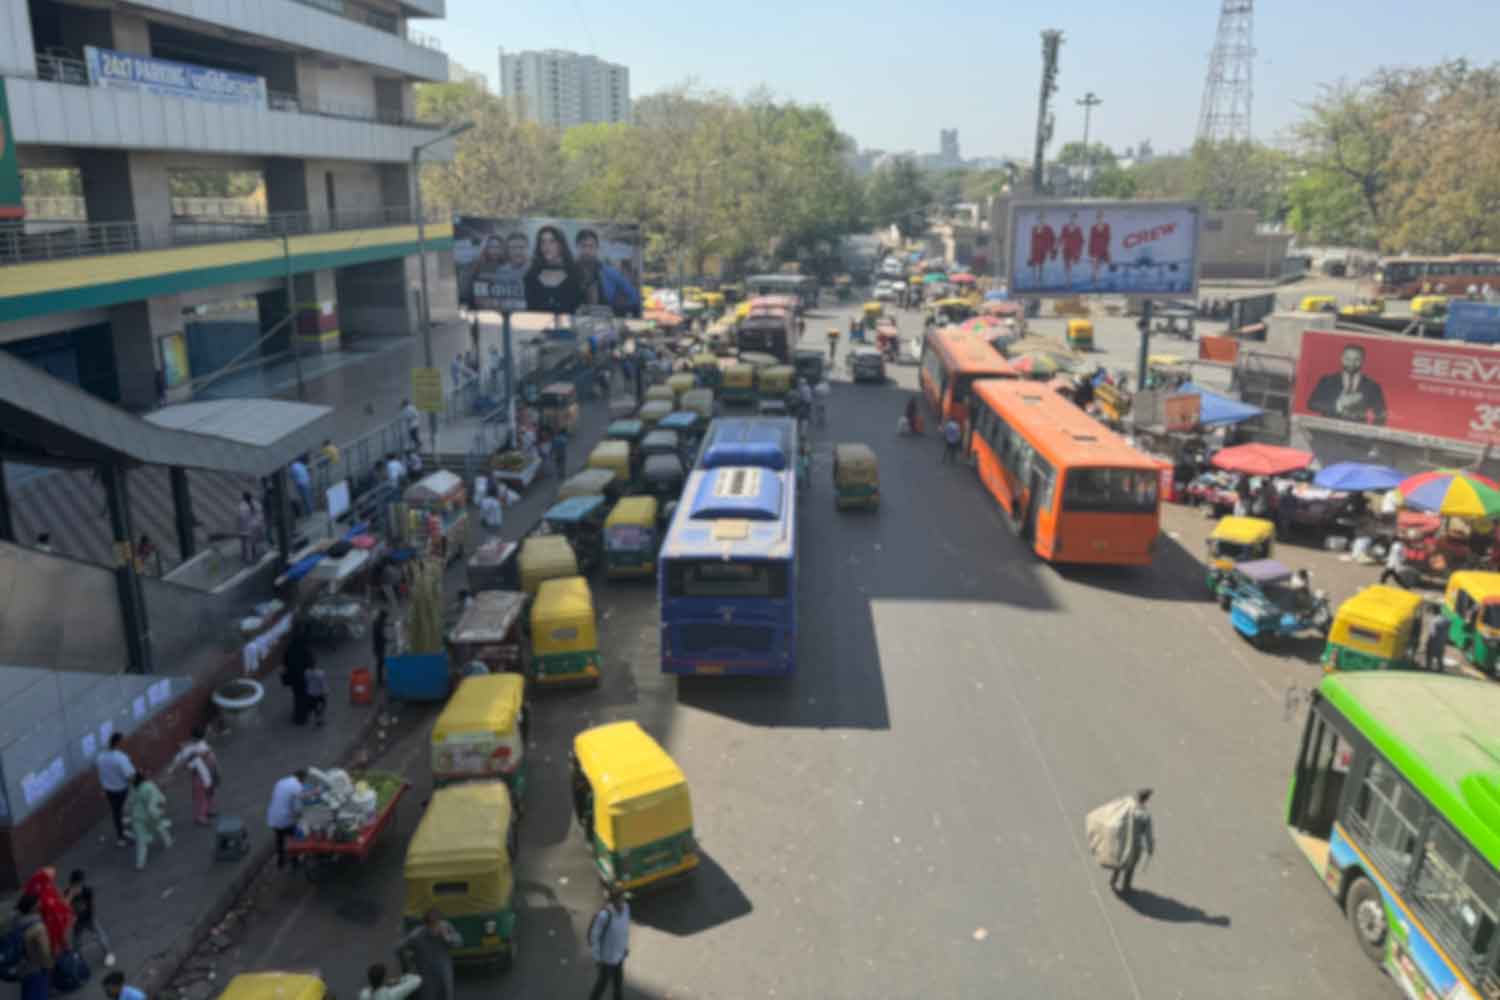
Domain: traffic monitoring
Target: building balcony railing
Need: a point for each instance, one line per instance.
(63, 69)
(377, 19)
(42, 240)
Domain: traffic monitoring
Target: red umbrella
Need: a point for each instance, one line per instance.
(1262, 459)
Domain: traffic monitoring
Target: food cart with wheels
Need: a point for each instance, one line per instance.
(436, 514)
(558, 406)
(515, 469)
(490, 632)
(344, 819)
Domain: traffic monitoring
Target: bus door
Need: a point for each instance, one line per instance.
(1322, 768)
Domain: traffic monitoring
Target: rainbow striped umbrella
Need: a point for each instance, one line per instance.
(1452, 493)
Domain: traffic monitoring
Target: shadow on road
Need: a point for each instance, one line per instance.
(1175, 575)
(1165, 908)
(707, 899)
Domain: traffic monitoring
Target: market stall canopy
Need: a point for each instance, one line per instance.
(1358, 477)
(934, 277)
(1262, 459)
(997, 296)
(1452, 493)
(962, 278)
(1217, 409)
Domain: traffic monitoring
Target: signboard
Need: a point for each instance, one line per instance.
(1473, 322)
(174, 359)
(1083, 247)
(554, 266)
(1420, 386)
(1182, 411)
(127, 71)
(427, 389)
(11, 204)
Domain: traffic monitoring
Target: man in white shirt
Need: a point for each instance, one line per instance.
(609, 943)
(115, 771)
(395, 470)
(413, 421)
(285, 808)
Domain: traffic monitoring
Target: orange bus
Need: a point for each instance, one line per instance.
(1073, 490)
(951, 361)
(1404, 277)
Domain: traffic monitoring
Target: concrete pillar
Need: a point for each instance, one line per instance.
(272, 309)
(372, 299)
(182, 508)
(135, 329)
(317, 311)
(128, 584)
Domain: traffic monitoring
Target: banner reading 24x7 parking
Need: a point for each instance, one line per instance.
(1419, 386)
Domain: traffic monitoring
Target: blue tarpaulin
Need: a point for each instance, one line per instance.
(1473, 322)
(1219, 409)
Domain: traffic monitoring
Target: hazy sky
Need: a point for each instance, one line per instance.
(893, 73)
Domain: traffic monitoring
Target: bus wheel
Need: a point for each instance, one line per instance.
(1366, 912)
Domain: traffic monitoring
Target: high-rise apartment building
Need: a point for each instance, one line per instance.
(948, 147)
(215, 172)
(562, 89)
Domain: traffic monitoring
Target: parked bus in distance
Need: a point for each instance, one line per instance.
(727, 578)
(951, 361)
(760, 442)
(770, 328)
(1404, 277)
(1075, 491)
(1395, 799)
(804, 287)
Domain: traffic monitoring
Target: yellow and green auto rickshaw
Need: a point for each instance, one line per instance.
(616, 458)
(701, 401)
(1472, 606)
(587, 483)
(276, 986)
(632, 803)
(706, 371)
(1081, 334)
(870, 314)
(1429, 306)
(558, 406)
(630, 538)
(652, 411)
(843, 287)
(679, 383)
(738, 385)
(775, 382)
(1318, 303)
(660, 392)
(1235, 540)
(543, 558)
(1376, 629)
(481, 733)
(459, 864)
(564, 634)
(856, 476)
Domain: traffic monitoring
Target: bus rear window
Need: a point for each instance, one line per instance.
(1120, 491)
(713, 578)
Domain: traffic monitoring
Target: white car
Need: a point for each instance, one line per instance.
(886, 292)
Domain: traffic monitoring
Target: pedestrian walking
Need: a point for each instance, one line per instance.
(299, 659)
(284, 810)
(456, 370)
(86, 924)
(57, 916)
(390, 583)
(431, 946)
(413, 421)
(203, 771)
(378, 641)
(115, 771)
(395, 470)
(302, 480)
(609, 943)
(560, 451)
(248, 524)
(147, 807)
(34, 972)
(952, 434)
(330, 451)
(317, 693)
(1395, 563)
(116, 988)
(383, 987)
(1140, 841)
(1437, 642)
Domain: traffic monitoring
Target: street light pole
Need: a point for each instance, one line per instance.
(291, 311)
(426, 316)
(1088, 102)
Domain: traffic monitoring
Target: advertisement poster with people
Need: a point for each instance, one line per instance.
(1423, 387)
(1142, 248)
(559, 266)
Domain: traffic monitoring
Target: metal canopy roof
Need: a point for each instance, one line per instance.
(48, 417)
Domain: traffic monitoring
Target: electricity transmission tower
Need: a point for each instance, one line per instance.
(1230, 87)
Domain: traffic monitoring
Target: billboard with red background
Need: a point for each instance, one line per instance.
(1421, 386)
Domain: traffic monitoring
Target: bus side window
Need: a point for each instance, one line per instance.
(1458, 896)
(1387, 817)
(1047, 478)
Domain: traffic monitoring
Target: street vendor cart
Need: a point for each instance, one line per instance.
(489, 632)
(436, 509)
(343, 825)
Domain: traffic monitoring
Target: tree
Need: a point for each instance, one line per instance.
(1239, 175)
(1329, 208)
(899, 196)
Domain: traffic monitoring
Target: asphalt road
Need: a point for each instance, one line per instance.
(905, 817)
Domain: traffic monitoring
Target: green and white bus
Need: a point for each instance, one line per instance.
(1396, 802)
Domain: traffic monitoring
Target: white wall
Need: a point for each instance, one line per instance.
(347, 89)
(17, 54)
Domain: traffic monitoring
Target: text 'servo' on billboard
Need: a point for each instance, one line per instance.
(1426, 387)
(559, 266)
(1085, 247)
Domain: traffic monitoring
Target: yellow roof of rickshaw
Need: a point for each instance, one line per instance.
(874, 306)
(657, 408)
(854, 453)
(1484, 587)
(1166, 360)
(704, 358)
(1380, 608)
(684, 380)
(1243, 530)
(623, 762)
(698, 396)
(463, 830)
(274, 986)
(660, 392)
(611, 451)
(778, 371)
(489, 702)
(950, 302)
(632, 510)
(915, 279)
(546, 554)
(586, 482)
(564, 597)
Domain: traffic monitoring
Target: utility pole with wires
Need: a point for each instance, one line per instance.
(1088, 102)
(1051, 42)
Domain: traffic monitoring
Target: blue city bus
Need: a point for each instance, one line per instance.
(727, 574)
(759, 442)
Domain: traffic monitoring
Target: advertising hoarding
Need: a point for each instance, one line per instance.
(547, 265)
(11, 204)
(1182, 412)
(1473, 322)
(126, 71)
(1426, 387)
(1084, 247)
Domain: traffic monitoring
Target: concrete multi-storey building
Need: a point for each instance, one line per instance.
(138, 291)
(562, 89)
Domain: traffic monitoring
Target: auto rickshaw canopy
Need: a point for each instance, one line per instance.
(738, 375)
(1242, 530)
(545, 557)
(559, 394)
(489, 618)
(856, 463)
(1482, 586)
(1378, 620)
(640, 794)
(653, 410)
(275, 986)
(678, 422)
(462, 838)
(612, 456)
(663, 440)
(574, 509)
(681, 382)
(624, 430)
(873, 308)
(486, 703)
(639, 511)
(704, 359)
(562, 617)
(656, 392)
(586, 483)
(701, 401)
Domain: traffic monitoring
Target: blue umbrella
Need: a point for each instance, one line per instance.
(1358, 477)
(996, 296)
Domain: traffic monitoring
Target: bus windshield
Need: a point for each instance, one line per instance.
(1121, 491)
(716, 579)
